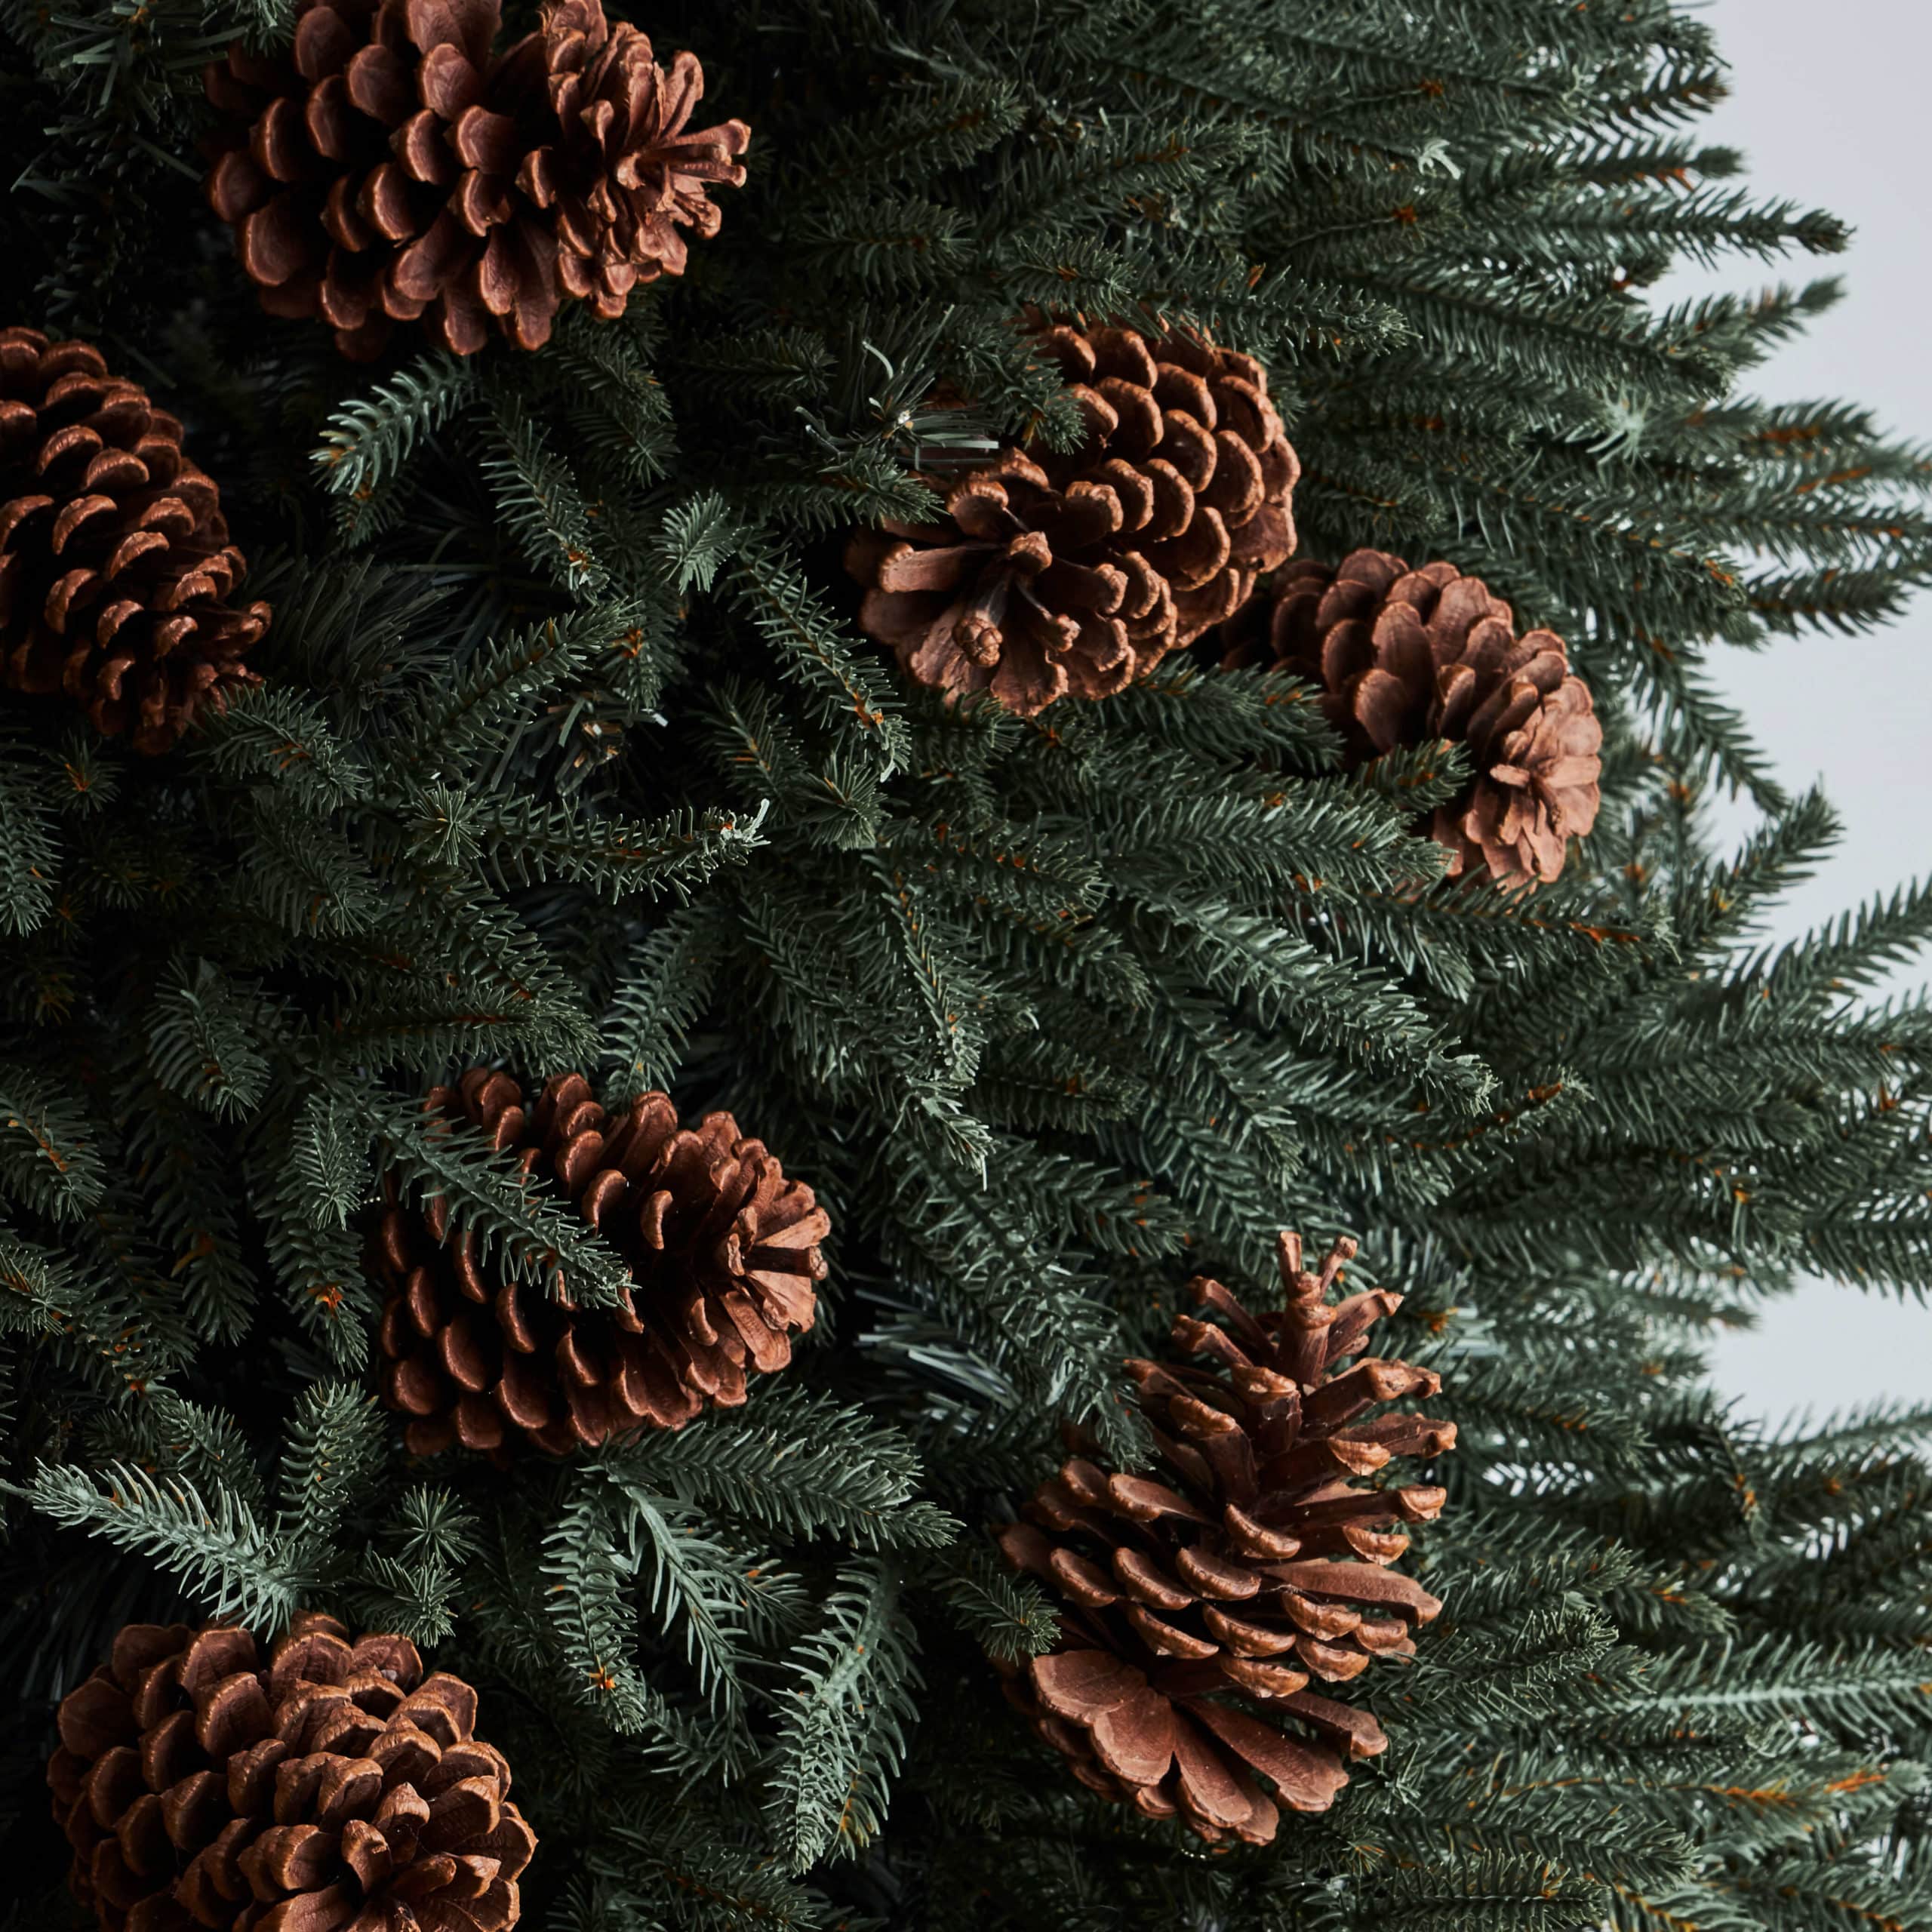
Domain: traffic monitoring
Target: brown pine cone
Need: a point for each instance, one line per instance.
(370, 175)
(722, 1250)
(1056, 575)
(1249, 1563)
(337, 1790)
(1408, 656)
(116, 566)
(397, 168)
(627, 172)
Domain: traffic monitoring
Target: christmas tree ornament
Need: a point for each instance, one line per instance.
(395, 166)
(1056, 575)
(115, 568)
(1251, 1561)
(722, 1250)
(333, 1789)
(1403, 656)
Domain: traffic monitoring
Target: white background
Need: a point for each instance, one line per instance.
(1829, 106)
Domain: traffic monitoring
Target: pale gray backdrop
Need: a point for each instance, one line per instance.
(1829, 106)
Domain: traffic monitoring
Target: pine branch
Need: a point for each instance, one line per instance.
(29, 853)
(303, 1191)
(365, 443)
(328, 1160)
(617, 859)
(337, 1444)
(797, 1462)
(219, 1552)
(842, 690)
(593, 1567)
(506, 1211)
(657, 1002)
(465, 722)
(38, 1293)
(538, 498)
(695, 1587)
(205, 1041)
(587, 1603)
(696, 538)
(49, 1151)
(1009, 1617)
(206, 1446)
(846, 1719)
(264, 732)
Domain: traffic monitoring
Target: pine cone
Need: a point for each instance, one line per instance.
(338, 1790)
(116, 566)
(1407, 656)
(397, 168)
(1249, 1562)
(626, 172)
(1054, 575)
(722, 1250)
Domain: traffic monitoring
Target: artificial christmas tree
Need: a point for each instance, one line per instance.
(572, 749)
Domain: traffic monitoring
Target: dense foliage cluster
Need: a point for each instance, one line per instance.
(570, 752)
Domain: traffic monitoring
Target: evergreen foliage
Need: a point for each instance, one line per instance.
(570, 754)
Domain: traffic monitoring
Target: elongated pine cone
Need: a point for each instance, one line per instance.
(396, 168)
(1250, 1563)
(1408, 656)
(722, 1251)
(1056, 575)
(115, 568)
(335, 1789)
